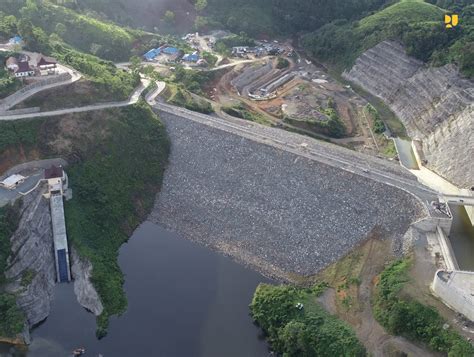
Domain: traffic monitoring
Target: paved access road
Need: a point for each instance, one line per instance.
(132, 100)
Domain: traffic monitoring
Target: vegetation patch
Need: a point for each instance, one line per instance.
(417, 24)
(411, 319)
(103, 74)
(8, 83)
(296, 325)
(282, 63)
(181, 97)
(378, 125)
(333, 126)
(244, 112)
(13, 320)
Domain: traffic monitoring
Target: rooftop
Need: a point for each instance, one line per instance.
(12, 181)
(53, 172)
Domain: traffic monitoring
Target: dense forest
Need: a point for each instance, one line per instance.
(417, 24)
(41, 22)
(286, 17)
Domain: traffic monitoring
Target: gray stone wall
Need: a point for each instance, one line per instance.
(280, 212)
(434, 104)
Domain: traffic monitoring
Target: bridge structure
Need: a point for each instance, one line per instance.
(457, 200)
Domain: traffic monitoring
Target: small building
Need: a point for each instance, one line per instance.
(191, 57)
(43, 62)
(56, 179)
(24, 70)
(170, 51)
(12, 64)
(15, 40)
(239, 50)
(152, 54)
(11, 182)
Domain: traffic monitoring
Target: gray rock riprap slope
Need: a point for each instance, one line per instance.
(32, 249)
(275, 210)
(436, 105)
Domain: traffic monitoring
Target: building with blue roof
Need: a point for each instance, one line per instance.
(191, 57)
(152, 54)
(170, 50)
(15, 40)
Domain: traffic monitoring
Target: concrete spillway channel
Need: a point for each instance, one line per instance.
(61, 251)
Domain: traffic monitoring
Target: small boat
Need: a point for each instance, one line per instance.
(79, 351)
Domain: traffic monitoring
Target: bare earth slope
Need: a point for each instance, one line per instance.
(436, 105)
(277, 211)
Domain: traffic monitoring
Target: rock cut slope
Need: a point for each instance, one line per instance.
(436, 105)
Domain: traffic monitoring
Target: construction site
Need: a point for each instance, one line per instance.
(301, 97)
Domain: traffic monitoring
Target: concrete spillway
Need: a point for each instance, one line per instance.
(61, 251)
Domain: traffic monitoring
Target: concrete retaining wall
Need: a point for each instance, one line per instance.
(430, 224)
(469, 209)
(447, 250)
(454, 289)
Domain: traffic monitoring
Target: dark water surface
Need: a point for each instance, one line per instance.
(183, 300)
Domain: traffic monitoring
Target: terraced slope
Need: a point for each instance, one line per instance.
(436, 105)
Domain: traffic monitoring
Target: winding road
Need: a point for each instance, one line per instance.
(132, 100)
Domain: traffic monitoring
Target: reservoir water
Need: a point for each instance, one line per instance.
(183, 300)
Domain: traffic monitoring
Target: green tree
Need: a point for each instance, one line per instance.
(135, 63)
(170, 17)
(200, 5)
(60, 29)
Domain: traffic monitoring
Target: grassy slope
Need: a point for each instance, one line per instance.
(411, 11)
(408, 317)
(117, 158)
(80, 93)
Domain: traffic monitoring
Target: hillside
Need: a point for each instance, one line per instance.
(144, 14)
(415, 23)
(43, 22)
(285, 17)
(108, 204)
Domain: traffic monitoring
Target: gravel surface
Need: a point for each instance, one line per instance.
(277, 211)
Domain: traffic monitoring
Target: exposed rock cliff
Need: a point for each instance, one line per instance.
(436, 105)
(32, 250)
(86, 294)
(33, 254)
